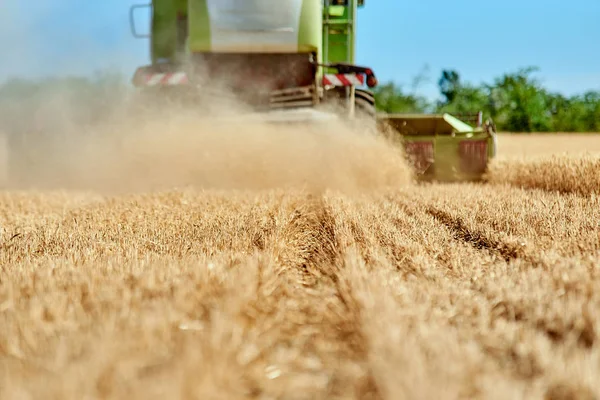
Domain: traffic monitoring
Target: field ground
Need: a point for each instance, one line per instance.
(542, 144)
(421, 291)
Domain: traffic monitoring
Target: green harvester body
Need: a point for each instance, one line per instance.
(292, 55)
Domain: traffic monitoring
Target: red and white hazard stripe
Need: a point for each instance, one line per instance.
(343, 79)
(168, 79)
(179, 78)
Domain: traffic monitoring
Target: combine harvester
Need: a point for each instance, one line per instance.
(289, 61)
(293, 61)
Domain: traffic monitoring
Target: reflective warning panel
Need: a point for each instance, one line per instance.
(473, 155)
(420, 154)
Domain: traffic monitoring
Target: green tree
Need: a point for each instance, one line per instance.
(519, 103)
(516, 101)
(390, 98)
(449, 84)
(461, 98)
(591, 101)
(567, 113)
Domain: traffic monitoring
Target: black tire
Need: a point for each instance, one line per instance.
(364, 109)
(365, 104)
(365, 114)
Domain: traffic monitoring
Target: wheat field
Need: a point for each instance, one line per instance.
(273, 266)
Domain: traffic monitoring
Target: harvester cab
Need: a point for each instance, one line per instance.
(295, 57)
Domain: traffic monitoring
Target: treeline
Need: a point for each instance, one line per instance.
(517, 102)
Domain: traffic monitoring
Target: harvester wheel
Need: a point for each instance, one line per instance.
(365, 113)
(364, 103)
(364, 109)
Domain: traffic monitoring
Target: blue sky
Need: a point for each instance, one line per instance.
(399, 39)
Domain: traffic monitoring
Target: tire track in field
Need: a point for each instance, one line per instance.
(480, 241)
(308, 252)
(292, 313)
(521, 310)
(444, 245)
(494, 341)
(308, 241)
(434, 270)
(431, 271)
(537, 227)
(486, 239)
(290, 294)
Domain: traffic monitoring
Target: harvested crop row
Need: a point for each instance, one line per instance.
(560, 173)
(287, 294)
(180, 286)
(539, 307)
(498, 322)
(534, 225)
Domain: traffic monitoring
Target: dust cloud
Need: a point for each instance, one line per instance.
(72, 135)
(158, 146)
